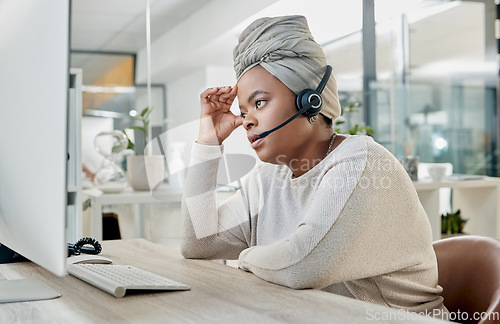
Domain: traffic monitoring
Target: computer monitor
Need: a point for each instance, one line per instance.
(34, 55)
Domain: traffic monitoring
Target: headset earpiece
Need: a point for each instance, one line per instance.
(309, 98)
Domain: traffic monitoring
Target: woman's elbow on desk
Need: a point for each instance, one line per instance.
(290, 277)
(299, 283)
(211, 248)
(190, 250)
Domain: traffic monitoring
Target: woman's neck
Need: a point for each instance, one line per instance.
(313, 155)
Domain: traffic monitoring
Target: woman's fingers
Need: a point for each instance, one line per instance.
(215, 95)
(205, 95)
(227, 97)
(217, 100)
(220, 97)
(232, 95)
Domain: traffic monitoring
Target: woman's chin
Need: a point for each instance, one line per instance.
(271, 158)
(264, 157)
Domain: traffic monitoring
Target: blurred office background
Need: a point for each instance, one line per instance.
(422, 68)
(415, 70)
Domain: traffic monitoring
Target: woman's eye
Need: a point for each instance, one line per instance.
(243, 114)
(259, 103)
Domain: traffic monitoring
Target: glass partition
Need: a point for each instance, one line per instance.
(438, 88)
(436, 81)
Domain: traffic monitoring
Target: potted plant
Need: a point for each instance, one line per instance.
(452, 224)
(144, 171)
(356, 129)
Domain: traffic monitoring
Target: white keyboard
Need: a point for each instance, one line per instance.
(117, 279)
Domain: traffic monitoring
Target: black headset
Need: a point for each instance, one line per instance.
(308, 102)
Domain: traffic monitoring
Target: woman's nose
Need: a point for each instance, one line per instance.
(249, 121)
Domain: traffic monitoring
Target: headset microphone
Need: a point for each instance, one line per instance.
(308, 102)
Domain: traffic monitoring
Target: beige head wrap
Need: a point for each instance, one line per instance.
(285, 47)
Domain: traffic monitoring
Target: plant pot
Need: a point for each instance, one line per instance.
(145, 172)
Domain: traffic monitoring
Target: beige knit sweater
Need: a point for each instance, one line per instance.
(352, 225)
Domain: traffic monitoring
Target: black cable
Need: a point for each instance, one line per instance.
(82, 247)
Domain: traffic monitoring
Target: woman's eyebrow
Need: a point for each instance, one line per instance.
(256, 93)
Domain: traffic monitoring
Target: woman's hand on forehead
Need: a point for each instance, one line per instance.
(224, 96)
(217, 121)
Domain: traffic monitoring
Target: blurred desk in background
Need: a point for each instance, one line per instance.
(478, 200)
(96, 199)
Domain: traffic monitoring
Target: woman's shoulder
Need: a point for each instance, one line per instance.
(375, 156)
(351, 147)
(358, 151)
(356, 143)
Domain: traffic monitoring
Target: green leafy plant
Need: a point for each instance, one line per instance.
(143, 118)
(352, 107)
(452, 223)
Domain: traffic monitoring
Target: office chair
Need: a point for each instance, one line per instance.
(469, 272)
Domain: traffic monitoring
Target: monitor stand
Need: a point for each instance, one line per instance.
(22, 289)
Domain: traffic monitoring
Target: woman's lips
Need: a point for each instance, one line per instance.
(257, 143)
(255, 140)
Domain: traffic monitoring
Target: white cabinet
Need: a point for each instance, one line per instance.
(478, 201)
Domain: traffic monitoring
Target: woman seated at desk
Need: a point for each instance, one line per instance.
(326, 211)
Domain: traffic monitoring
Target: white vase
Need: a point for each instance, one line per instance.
(145, 172)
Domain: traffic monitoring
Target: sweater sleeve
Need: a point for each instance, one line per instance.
(365, 221)
(211, 232)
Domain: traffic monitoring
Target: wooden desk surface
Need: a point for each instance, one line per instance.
(218, 293)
